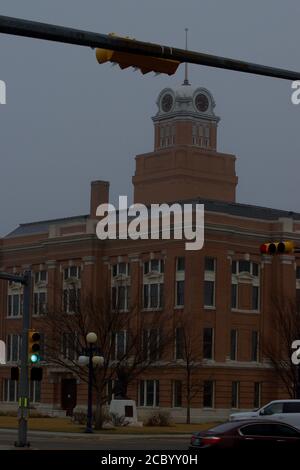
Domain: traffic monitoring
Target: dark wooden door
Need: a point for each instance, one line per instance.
(68, 394)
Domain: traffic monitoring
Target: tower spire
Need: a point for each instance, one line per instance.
(186, 79)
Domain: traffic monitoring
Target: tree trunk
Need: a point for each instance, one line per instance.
(99, 415)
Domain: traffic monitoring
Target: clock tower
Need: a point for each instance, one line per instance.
(185, 163)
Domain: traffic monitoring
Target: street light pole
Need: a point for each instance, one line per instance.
(91, 360)
(89, 423)
(23, 395)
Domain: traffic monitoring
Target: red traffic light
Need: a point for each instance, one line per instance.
(280, 248)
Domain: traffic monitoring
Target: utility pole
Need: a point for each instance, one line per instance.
(50, 32)
(23, 398)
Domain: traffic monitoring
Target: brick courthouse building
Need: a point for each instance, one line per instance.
(223, 290)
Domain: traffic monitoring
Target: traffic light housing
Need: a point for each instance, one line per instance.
(36, 373)
(277, 248)
(145, 63)
(34, 347)
(14, 373)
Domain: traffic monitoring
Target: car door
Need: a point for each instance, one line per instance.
(269, 436)
(291, 413)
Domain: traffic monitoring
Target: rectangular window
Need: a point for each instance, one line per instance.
(39, 303)
(254, 346)
(234, 299)
(13, 348)
(69, 346)
(233, 345)
(244, 266)
(40, 276)
(180, 264)
(209, 293)
(209, 264)
(255, 298)
(255, 269)
(257, 395)
(235, 394)
(177, 393)
(35, 391)
(208, 340)
(14, 305)
(179, 293)
(233, 267)
(153, 295)
(149, 393)
(208, 394)
(10, 390)
(151, 350)
(298, 272)
(179, 343)
(71, 300)
(119, 345)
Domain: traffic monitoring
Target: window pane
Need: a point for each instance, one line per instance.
(298, 272)
(180, 293)
(255, 298)
(209, 287)
(153, 295)
(209, 264)
(255, 269)
(257, 392)
(233, 267)
(208, 390)
(180, 263)
(208, 343)
(234, 394)
(154, 265)
(234, 288)
(233, 345)
(179, 346)
(177, 393)
(254, 352)
(150, 393)
(146, 295)
(142, 393)
(244, 266)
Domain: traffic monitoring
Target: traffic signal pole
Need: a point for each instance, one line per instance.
(50, 32)
(23, 399)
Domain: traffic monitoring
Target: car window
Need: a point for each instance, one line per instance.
(273, 409)
(290, 407)
(255, 430)
(266, 429)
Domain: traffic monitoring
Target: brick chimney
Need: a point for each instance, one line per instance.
(99, 195)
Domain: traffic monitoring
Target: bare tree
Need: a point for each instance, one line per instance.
(129, 341)
(284, 330)
(187, 353)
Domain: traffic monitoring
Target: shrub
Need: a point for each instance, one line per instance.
(158, 418)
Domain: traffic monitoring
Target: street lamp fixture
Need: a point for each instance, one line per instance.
(92, 359)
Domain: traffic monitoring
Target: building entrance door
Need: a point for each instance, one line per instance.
(68, 395)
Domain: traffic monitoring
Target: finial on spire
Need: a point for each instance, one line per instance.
(186, 79)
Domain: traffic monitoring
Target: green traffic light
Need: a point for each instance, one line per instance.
(34, 358)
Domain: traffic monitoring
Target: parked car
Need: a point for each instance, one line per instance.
(247, 435)
(286, 411)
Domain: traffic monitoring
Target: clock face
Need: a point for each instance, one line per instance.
(202, 102)
(167, 102)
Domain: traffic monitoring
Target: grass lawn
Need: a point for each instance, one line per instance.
(65, 425)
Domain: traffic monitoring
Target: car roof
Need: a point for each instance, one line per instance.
(228, 425)
(283, 401)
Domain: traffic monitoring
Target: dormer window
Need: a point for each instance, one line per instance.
(72, 272)
(154, 266)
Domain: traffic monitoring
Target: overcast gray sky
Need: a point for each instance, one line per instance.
(68, 120)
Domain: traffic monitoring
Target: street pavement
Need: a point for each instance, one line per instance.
(65, 441)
